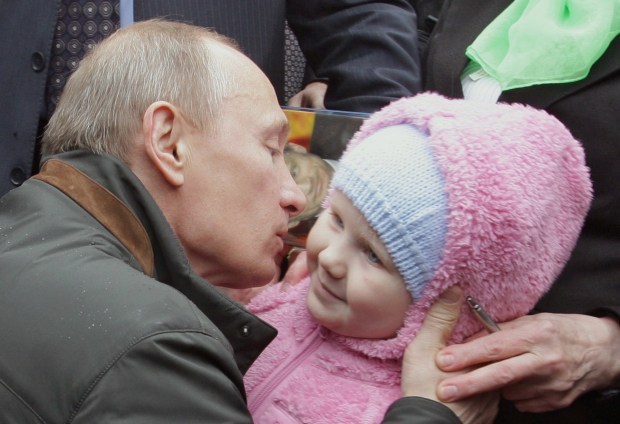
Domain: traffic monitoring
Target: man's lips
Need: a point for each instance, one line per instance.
(282, 233)
(284, 239)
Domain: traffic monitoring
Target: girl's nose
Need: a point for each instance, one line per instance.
(332, 260)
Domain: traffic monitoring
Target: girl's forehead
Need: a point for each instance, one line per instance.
(358, 224)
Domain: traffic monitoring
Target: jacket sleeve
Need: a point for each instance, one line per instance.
(417, 410)
(170, 377)
(366, 49)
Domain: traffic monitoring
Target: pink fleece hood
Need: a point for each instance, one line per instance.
(516, 191)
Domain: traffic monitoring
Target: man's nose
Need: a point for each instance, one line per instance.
(292, 197)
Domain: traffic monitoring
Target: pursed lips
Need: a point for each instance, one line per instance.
(282, 232)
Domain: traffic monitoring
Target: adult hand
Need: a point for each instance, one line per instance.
(297, 269)
(313, 95)
(420, 374)
(541, 362)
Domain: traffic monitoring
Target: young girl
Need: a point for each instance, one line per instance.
(430, 193)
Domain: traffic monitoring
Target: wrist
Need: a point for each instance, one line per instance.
(612, 327)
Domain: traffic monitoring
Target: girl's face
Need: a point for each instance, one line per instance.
(356, 290)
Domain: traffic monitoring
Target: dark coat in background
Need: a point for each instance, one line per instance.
(590, 283)
(363, 76)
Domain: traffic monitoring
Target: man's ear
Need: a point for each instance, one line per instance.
(165, 141)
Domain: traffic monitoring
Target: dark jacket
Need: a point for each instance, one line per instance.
(590, 282)
(367, 50)
(103, 319)
(27, 30)
(368, 76)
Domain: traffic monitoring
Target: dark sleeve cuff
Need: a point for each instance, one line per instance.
(418, 410)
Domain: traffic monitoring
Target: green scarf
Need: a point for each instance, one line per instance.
(546, 41)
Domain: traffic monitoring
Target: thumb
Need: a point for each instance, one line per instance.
(298, 268)
(438, 324)
(420, 374)
(441, 318)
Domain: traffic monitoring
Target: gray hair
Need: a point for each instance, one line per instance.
(103, 103)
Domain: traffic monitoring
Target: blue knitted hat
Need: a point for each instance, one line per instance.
(395, 182)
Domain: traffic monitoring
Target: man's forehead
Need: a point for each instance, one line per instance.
(253, 94)
(274, 120)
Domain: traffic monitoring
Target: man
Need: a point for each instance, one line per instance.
(163, 169)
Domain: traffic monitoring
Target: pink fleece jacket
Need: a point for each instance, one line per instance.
(518, 191)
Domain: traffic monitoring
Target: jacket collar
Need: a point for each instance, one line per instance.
(108, 190)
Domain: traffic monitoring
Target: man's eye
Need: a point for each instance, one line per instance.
(273, 151)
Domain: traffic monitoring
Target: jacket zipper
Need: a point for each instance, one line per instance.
(311, 344)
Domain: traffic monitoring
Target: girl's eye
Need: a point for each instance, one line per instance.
(338, 221)
(372, 257)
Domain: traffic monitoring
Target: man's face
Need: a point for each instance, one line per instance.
(356, 289)
(242, 192)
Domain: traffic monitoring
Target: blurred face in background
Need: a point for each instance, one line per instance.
(312, 174)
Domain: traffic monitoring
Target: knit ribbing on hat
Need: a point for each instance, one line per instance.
(394, 181)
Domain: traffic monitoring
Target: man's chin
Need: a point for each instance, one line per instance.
(243, 296)
(261, 279)
(243, 293)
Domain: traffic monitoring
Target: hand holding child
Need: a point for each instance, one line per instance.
(421, 376)
(297, 268)
(541, 362)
